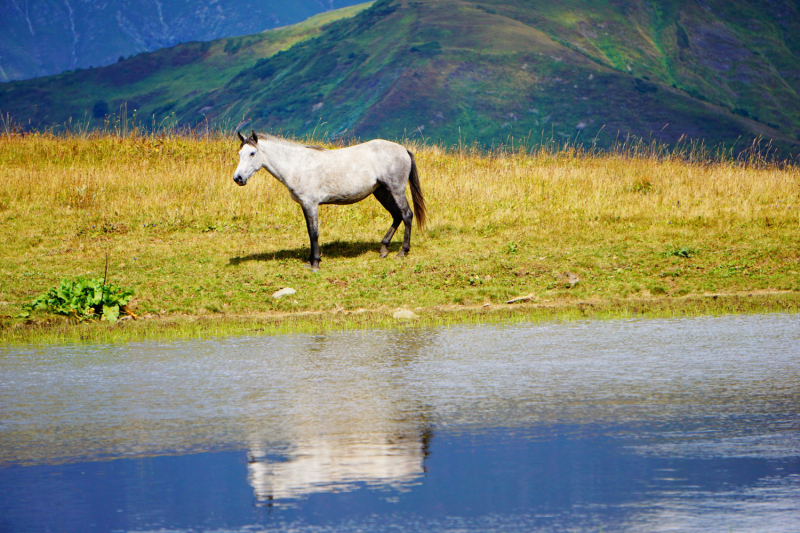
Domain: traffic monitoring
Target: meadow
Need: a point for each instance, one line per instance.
(567, 232)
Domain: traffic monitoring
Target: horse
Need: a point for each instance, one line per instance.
(315, 175)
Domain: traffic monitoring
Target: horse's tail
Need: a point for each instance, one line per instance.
(416, 194)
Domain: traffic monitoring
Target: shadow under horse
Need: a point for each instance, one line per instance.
(331, 249)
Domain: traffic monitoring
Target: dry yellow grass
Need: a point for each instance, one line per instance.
(189, 241)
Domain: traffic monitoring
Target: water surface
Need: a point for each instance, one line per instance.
(637, 425)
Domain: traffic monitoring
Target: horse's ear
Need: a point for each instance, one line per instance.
(254, 136)
(241, 137)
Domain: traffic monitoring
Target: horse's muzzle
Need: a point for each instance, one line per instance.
(239, 180)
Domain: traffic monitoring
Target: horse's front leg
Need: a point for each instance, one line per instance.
(311, 212)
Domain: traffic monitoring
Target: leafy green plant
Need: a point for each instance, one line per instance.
(82, 299)
(684, 251)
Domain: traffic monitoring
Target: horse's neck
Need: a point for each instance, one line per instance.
(280, 161)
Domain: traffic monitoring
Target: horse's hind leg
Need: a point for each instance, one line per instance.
(387, 201)
(399, 197)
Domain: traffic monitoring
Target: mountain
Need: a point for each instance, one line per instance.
(477, 71)
(42, 37)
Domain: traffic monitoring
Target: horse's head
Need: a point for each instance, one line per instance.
(251, 159)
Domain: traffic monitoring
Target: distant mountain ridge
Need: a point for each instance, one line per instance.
(43, 37)
(486, 71)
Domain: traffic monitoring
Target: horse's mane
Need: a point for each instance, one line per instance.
(288, 142)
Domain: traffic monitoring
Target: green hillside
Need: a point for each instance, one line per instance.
(152, 84)
(476, 71)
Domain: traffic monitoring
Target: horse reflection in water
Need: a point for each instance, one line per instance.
(347, 429)
(338, 464)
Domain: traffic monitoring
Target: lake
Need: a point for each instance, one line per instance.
(684, 425)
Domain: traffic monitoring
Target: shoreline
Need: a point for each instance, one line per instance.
(184, 327)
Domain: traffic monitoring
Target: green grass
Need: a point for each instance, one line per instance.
(579, 233)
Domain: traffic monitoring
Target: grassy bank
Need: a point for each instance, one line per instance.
(579, 234)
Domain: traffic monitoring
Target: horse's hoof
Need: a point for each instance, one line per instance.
(401, 254)
(384, 251)
(311, 267)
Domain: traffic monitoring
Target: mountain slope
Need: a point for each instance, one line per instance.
(41, 37)
(152, 84)
(498, 68)
(485, 71)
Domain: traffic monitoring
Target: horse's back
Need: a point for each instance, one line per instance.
(381, 148)
(391, 160)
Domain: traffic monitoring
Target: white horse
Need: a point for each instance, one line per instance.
(317, 176)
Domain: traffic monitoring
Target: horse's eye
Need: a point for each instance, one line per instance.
(251, 155)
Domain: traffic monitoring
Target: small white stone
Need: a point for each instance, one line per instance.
(283, 292)
(404, 314)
